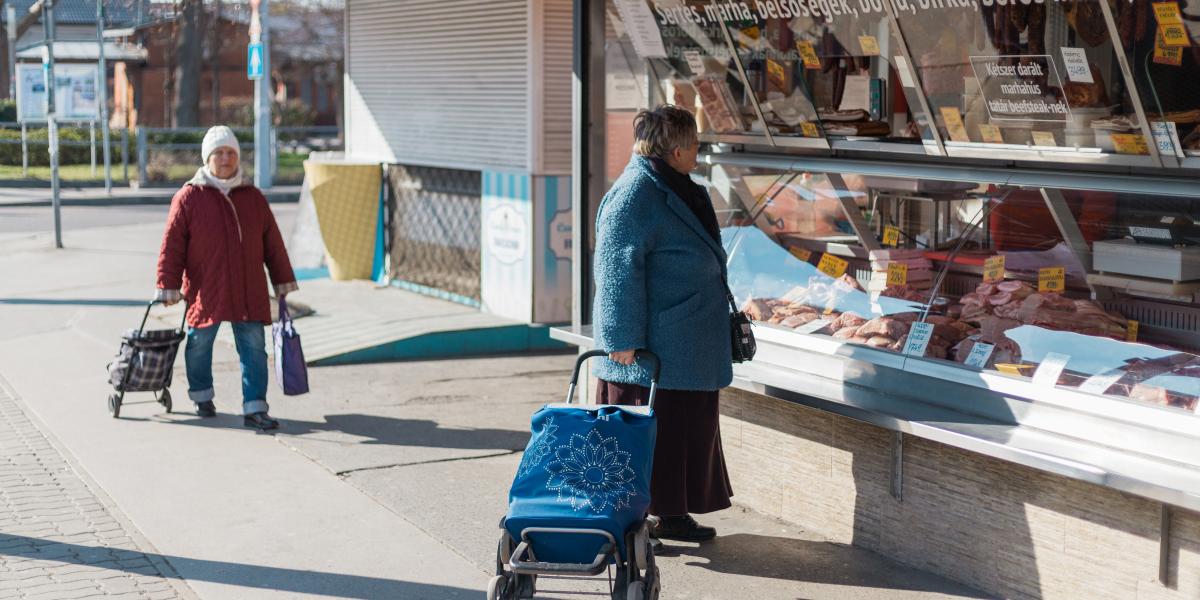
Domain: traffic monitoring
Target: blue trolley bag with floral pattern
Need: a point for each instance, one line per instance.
(586, 467)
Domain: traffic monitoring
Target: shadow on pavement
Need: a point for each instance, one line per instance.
(250, 576)
(379, 430)
(809, 561)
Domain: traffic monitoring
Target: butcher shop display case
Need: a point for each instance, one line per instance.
(982, 277)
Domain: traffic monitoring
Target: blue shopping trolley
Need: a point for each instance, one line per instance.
(578, 503)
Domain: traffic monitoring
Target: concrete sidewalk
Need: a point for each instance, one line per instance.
(387, 481)
(121, 196)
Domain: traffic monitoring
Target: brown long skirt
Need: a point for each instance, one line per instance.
(689, 466)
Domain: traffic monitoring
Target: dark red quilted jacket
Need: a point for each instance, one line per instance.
(214, 250)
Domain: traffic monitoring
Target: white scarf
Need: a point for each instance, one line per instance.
(225, 185)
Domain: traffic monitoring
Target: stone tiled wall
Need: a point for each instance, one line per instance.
(1001, 528)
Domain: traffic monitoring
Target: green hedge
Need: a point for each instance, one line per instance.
(10, 147)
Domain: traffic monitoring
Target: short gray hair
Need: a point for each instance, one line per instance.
(657, 132)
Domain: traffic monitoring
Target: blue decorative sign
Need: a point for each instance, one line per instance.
(254, 61)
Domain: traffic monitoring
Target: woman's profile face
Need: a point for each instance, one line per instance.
(684, 159)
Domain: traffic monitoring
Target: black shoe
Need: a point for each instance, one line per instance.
(261, 421)
(206, 409)
(682, 529)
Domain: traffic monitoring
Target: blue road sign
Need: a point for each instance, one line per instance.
(254, 60)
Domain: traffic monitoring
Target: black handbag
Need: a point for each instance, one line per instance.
(740, 333)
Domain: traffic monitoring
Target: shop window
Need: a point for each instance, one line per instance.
(1160, 42)
(1082, 290)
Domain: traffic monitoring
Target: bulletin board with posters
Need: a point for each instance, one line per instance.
(75, 93)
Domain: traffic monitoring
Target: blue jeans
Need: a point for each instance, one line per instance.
(251, 344)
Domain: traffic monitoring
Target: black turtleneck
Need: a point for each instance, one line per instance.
(692, 195)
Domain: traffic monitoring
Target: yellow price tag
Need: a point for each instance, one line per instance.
(1012, 369)
(776, 75)
(891, 236)
(954, 124)
(1130, 143)
(1167, 13)
(832, 266)
(809, 129)
(801, 253)
(870, 45)
(990, 134)
(1044, 138)
(897, 274)
(993, 269)
(1174, 35)
(1052, 279)
(1131, 331)
(808, 54)
(1164, 54)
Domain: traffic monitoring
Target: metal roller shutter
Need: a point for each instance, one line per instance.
(439, 82)
(557, 46)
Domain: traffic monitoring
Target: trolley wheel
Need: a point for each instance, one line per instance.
(635, 591)
(164, 399)
(652, 583)
(641, 548)
(114, 405)
(504, 550)
(526, 586)
(497, 588)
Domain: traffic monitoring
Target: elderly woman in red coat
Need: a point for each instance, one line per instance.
(220, 233)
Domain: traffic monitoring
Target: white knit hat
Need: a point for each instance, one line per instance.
(216, 137)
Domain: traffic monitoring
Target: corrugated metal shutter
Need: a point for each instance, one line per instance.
(557, 49)
(439, 82)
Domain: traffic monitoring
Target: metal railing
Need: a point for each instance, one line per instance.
(291, 140)
(118, 143)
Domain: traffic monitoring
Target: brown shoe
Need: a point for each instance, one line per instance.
(682, 529)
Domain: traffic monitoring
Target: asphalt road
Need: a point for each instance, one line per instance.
(35, 220)
(41, 219)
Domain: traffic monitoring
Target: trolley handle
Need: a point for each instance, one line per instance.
(146, 316)
(646, 355)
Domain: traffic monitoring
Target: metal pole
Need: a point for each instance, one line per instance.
(262, 103)
(11, 13)
(105, 137)
(142, 157)
(125, 154)
(51, 119)
(92, 138)
(24, 150)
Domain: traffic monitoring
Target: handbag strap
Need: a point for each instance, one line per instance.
(729, 296)
(284, 316)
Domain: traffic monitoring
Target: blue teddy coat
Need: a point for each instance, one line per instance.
(659, 286)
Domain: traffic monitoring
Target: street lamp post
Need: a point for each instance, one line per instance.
(51, 119)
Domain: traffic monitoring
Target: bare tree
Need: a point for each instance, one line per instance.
(186, 101)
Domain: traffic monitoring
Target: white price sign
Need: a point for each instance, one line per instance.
(1051, 367)
(813, 326)
(695, 63)
(1166, 135)
(642, 28)
(918, 339)
(1077, 65)
(1100, 382)
(980, 353)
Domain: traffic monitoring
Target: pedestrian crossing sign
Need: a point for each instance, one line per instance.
(254, 61)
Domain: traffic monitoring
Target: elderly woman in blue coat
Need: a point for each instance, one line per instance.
(660, 285)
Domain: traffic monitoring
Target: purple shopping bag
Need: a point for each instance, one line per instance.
(290, 370)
